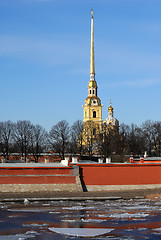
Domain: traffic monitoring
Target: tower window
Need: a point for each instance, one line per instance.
(93, 91)
(94, 114)
(94, 131)
(90, 91)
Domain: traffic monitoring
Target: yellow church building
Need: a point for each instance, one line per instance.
(93, 124)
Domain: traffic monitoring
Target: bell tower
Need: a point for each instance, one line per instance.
(92, 121)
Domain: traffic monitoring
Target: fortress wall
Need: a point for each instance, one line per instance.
(35, 179)
(35, 171)
(90, 177)
(41, 179)
(105, 177)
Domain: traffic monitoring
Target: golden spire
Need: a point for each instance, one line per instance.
(92, 66)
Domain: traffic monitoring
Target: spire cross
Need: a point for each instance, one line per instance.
(92, 13)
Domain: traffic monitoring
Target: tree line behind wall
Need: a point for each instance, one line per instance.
(25, 138)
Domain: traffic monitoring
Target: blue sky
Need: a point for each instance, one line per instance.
(44, 59)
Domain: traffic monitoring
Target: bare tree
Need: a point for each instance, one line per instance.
(59, 137)
(77, 137)
(23, 136)
(110, 142)
(39, 141)
(157, 138)
(105, 145)
(135, 140)
(150, 134)
(6, 133)
(139, 139)
(123, 145)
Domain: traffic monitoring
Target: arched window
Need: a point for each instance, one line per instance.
(93, 91)
(94, 131)
(94, 114)
(90, 91)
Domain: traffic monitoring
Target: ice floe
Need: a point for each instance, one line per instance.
(26, 201)
(17, 236)
(84, 220)
(35, 225)
(54, 212)
(82, 232)
(129, 215)
(93, 220)
(78, 208)
(28, 210)
(157, 229)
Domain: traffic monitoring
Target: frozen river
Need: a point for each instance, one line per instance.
(121, 219)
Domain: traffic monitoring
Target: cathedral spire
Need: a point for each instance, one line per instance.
(92, 66)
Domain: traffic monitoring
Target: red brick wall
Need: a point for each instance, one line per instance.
(38, 175)
(37, 180)
(121, 174)
(34, 171)
(91, 174)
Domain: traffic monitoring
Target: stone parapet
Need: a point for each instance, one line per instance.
(102, 188)
(41, 187)
(36, 178)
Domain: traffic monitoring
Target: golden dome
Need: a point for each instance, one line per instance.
(92, 83)
(110, 108)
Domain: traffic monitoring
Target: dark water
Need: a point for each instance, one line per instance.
(127, 219)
